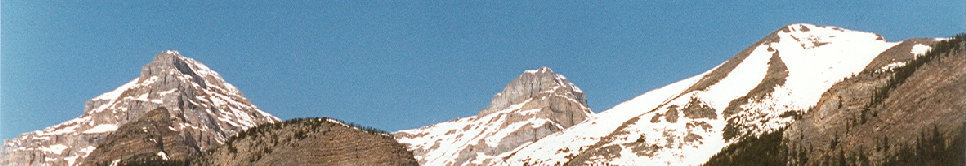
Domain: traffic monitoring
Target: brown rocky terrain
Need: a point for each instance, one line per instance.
(311, 141)
(149, 138)
(873, 114)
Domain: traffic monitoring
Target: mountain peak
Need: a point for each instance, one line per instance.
(535, 104)
(168, 57)
(170, 62)
(534, 83)
(204, 110)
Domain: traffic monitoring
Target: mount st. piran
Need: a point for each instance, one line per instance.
(803, 95)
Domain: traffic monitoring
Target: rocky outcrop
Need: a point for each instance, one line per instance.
(204, 109)
(535, 104)
(311, 141)
(151, 137)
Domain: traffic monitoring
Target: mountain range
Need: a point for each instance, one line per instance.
(804, 94)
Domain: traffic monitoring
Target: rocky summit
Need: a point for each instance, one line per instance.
(178, 104)
(534, 83)
(535, 104)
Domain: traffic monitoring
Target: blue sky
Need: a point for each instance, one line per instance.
(399, 65)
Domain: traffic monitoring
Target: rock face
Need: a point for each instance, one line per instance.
(312, 141)
(150, 137)
(203, 109)
(535, 104)
(534, 83)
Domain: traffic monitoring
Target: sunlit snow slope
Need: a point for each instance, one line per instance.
(685, 123)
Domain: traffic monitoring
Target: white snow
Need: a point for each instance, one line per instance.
(88, 150)
(62, 131)
(71, 159)
(165, 93)
(892, 65)
(163, 155)
(117, 91)
(742, 79)
(920, 49)
(101, 128)
(55, 148)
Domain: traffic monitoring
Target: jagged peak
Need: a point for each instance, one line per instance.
(167, 62)
(546, 71)
(534, 83)
(170, 65)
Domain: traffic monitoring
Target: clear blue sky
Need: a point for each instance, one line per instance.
(399, 65)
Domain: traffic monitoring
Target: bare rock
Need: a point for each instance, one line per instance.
(310, 141)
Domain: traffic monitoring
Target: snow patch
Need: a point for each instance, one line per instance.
(55, 148)
(117, 91)
(65, 130)
(163, 155)
(101, 128)
(920, 49)
(892, 65)
(71, 159)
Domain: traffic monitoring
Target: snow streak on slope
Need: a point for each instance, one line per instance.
(204, 103)
(786, 71)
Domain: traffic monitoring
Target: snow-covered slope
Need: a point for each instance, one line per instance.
(687, 122)
(535, 104)
(206, 108)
